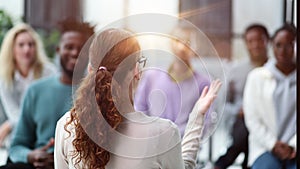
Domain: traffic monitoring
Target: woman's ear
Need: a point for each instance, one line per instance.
(136, 72)
(90, 68)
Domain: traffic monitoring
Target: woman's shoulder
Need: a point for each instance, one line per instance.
(166, 127)
(201, 78)
(63, 120)
(164, 135)
(66, 131)
(153, 73)
(166, 123)
(155, 125)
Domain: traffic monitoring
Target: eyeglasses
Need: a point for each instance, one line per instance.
(142, 62)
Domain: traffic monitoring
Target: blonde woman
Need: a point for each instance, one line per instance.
(23, 60)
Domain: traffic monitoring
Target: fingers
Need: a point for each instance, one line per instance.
(215, 87)
(283, 151)
(45, 160)
(212, 90)
(48, 145)
(39, 165)
(51, 141)
(204, 92)
(40, 159)
(293, 155)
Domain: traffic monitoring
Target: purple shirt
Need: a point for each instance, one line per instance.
(159, 95)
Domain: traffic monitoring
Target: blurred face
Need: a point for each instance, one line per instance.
(283, 46)
(69, 48)
(24, 49)
(181, 50)
(256, 42)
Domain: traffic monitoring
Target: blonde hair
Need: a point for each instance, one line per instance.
(7, 56)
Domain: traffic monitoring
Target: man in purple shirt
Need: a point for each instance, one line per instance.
(172, 93)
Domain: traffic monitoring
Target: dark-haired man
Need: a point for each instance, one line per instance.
(45, 102)
(256, 38)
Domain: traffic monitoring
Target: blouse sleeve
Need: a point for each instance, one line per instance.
(191, 139)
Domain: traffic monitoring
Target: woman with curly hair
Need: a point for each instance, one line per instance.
(103, 130)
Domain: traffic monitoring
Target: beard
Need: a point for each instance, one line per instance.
(68, 72)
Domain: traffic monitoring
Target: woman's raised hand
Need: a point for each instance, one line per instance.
(208, 95)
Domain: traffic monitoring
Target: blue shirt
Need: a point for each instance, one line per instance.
(44, 103)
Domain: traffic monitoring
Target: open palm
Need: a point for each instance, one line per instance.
(208, 95)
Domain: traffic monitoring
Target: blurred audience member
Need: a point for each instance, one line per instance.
(172, 93)
(23, 60)
(45, 102)
(256, 38)
(270, 106)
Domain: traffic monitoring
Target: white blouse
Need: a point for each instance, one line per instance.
(11, 96)
(141, 142)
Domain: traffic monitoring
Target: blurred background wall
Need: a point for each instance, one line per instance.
(223, 21)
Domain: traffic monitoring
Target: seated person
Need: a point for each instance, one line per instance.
(179, 87)
(270, 106)
(25, 61)
(45, 102)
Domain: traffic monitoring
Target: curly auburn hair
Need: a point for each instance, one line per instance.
(95, 97)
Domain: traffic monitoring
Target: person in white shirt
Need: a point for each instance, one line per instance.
(256, 39)
(103, 130)
(23, 60)
(270, 106)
